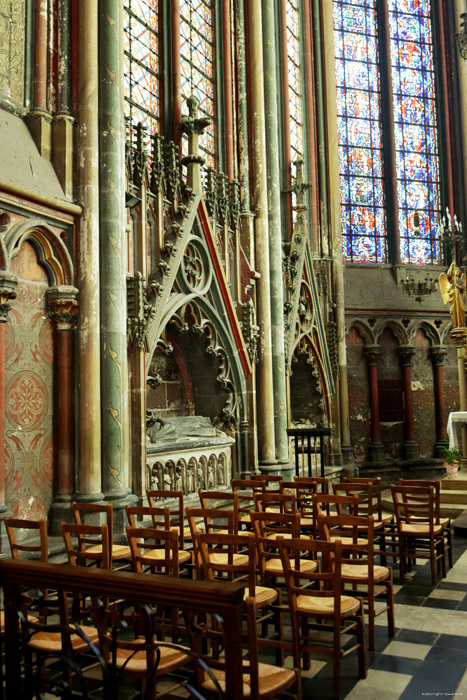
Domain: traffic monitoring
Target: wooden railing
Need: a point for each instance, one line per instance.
(188, 596)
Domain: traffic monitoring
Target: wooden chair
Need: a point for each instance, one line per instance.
(387, 531)
(303, 494)
(358, 567)
(92, 544)
(161, 520)
(270, 482)
(268, 527)
(445, 521)
(420, 532)
(210, 521)
(260, 680)
(332, 504)
(38, 548)
(317, 594)
(158, 497)
(91, 512)
(224, 500)
(128, 645)
(154, 550)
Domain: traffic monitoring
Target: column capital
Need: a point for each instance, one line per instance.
(63, 304)
(405, 353)
(437, 354)
(8, 283)
(372, 352)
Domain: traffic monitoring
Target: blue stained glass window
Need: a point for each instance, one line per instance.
(141, 71)
(295, 88)
(197, 66)
(360, 130)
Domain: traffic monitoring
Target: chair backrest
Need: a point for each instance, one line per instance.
(154, 549)
(92, 544)
(326, 577)
(423, 483)
(212, 520)
(356, 534)
(253, 485)
(160, 516)
(364, 493)
(221, 560)
(88, 514)
(316, 483)
(376, 491)
(156, 499)
(15, 525)
(223, 500)
(416, 504)
(268, 527)
(276, 502)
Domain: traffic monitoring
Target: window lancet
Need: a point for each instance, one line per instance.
(363, 145)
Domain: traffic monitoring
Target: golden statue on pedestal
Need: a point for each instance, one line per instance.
(452, 285)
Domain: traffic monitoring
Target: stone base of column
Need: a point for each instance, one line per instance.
(348, 455)
(4, 542)
(59, 510)
(410, 450)
(40, 127)
(335, 459)
(376, 452)
(119, 513)
(438, 451)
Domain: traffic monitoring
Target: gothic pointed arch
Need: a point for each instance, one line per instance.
(50, 249)
(399, 332)
(363, 330)
(428, 329)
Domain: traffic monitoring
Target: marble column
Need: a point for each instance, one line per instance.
(63, 305)
(63, 121)
(267, 448)
(8, 283)
(376, 450)
(87, 273)
(275, 238)
(437, 354)
(113, 255)
(409, 447)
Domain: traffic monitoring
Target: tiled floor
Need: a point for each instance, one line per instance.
(428, 655)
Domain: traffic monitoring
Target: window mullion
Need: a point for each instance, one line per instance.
(389, 139)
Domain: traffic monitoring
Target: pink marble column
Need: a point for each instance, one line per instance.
(376, 451)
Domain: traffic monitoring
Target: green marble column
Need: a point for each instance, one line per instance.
(113, 268)
(275, 239)
(267, 451)
(87, 274)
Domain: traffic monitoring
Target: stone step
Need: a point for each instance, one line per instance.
(457, 484)
(448, 509)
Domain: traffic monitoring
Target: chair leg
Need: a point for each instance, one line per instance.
(390, 604)
(448, 535)
(371, 619)
(361, 639)
(336, 661)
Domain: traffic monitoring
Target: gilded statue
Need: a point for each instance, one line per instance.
(452, 285)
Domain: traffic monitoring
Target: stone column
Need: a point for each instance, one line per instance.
(8, 283)
(267, 449)
(113, 255)
(39, 119)
(62, 125)
(275, 238)
(437, 354)
(376, 450)
(410, 447)
(87, 276)
(64, 311)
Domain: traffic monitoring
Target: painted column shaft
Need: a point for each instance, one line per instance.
(275, 239)
(438, 354)
(2, 416)
(374, 404)
(64, 58)
(260, 208)
(462, 83)
(334, 212)
(113, 268)
(64, 479)
(409, 422)
(40, 56)
(89, 426)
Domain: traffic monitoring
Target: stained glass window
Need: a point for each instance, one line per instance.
(362, 154)
(197, 65)
(142, 64)
(295, 89)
